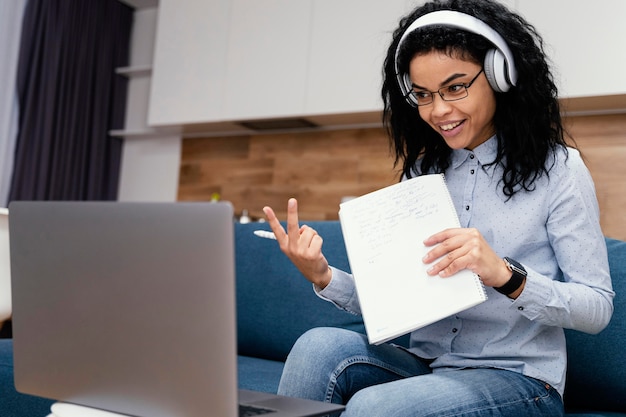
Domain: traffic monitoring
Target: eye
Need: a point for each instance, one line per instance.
(455, 88)
(422, 95)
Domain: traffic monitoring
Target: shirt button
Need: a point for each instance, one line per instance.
(520, 308)
(467, 208)
(472, 156)
(455, 330)
(472, 172)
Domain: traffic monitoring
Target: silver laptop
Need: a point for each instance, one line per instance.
(130, 308)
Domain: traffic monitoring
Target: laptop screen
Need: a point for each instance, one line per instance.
(126, 307)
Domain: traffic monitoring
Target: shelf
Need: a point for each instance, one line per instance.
(143, 133)
(138, 70)
(594, 106)
(141, 4)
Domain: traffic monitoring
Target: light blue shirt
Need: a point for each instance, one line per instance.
(554, 233)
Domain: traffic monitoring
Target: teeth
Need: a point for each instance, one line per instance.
(450, 126)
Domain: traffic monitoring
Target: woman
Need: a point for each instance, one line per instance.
(469, 94)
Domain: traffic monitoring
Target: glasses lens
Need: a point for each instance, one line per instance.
(450, 93)
(423, 97)
(453, 92)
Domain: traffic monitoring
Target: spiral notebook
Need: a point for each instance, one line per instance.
(384, 233)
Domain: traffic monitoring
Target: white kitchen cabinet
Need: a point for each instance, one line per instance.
(349, 41)
(189, 67)
(267, 65)
(224, 61)
(585, 42)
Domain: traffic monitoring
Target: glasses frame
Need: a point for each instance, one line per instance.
(432, 93)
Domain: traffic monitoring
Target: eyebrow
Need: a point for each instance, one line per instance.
(444, 82)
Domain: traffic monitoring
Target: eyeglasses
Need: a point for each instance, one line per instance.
(452, 92)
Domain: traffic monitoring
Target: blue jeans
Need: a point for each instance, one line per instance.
(340, 366)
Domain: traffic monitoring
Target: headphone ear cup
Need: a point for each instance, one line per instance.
(495, 71)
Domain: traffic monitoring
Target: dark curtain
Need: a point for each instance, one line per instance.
(69, 98)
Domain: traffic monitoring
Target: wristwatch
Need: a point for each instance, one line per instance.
(517, 279)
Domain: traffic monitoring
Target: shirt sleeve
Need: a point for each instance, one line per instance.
(340, 291)
(582, 297)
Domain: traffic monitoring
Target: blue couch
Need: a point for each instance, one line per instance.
(276, 304)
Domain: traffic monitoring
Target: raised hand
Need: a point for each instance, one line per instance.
(301, 244)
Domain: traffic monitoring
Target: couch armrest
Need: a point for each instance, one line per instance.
(596, 373)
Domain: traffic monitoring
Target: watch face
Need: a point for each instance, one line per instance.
(515, 266)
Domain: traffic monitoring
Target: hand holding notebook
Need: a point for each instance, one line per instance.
(384, 233)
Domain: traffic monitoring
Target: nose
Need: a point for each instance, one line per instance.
(440, 106)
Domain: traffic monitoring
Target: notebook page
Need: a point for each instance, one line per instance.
(384, 233)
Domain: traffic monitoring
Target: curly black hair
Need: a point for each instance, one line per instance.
(527, 118)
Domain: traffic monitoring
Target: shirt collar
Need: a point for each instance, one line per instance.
(485, 153)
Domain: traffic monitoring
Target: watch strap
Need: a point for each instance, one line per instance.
(517, 277)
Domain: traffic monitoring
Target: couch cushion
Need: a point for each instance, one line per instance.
(275, 303)
(596, 373)
(258, 374)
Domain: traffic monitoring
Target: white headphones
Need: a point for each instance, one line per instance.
(499, 65)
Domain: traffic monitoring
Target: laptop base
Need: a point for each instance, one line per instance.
(60, 409)
(296, 406)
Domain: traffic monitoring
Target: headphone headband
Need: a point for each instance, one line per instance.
(501, 77)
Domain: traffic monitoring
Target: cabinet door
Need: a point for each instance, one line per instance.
(348, 46)
(189, 62)
(584, 42)
(267, 64)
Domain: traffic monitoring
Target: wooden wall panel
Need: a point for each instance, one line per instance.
(318, 168)
(602, 141)
(321, 167)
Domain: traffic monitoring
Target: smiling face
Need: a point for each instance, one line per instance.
(464, 123)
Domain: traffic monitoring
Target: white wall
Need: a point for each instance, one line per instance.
(11, 13)
(150, 159)
(150, 167)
